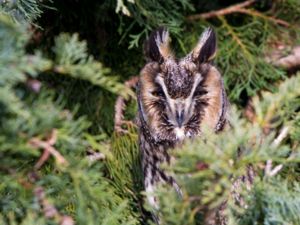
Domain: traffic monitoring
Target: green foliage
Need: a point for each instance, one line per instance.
(281, 107)
(55, 92)
(126, 174)
(278, 204)
(255, 73)
(148, 15)
(207, 167)
(14, 64)
(30, 115)
(22, 10)
(72, 59)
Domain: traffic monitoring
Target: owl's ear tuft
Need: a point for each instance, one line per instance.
(205, 50)
(157, 47)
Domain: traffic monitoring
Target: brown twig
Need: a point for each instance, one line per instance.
(49, 209)
(44, 157)
(221, 12)
(120, 107)
(51, 141)
(48, 150)
(237, 8)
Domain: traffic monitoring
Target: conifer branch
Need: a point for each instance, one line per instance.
(258, 14)
(52, 106)
(236, 38)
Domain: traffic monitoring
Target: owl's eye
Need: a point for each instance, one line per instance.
(199, 92)
(158, 93)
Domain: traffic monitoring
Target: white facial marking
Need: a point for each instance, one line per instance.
(198, 79)
(179, 133)
(159, 79)
(179, 104)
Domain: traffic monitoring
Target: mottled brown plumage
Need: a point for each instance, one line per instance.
(176, 98)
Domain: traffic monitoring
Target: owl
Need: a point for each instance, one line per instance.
(176, 98)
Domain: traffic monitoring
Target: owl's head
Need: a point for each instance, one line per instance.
(178, 96)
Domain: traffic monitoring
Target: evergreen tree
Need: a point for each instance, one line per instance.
(64, 63)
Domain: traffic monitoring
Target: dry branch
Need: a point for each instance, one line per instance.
(120, 107)
(49, 209)
(48, 150)
(237, 8)
(221, 12)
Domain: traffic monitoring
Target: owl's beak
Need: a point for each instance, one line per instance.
(180, 117)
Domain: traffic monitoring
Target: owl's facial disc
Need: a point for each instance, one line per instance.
(179, 110)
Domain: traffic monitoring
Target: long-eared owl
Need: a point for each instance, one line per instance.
(176, 98)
